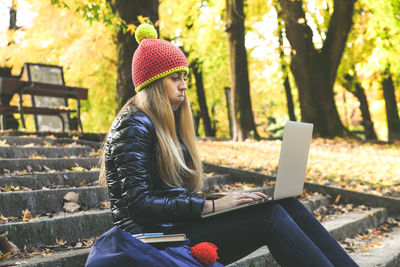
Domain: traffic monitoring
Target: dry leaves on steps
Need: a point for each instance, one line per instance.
(6, 246)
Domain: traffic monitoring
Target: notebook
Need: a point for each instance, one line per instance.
(292, 164)
(160, 237)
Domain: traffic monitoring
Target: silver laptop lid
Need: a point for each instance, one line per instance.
(293, 159)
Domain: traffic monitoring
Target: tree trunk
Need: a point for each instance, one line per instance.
(13, 21)
(9, 119)
(228, 98)
(315, 70)
(242, 113)
(126, 44)
(354, 87)
(286, 84)
(201, 97)
(392, 114)
(289, 98)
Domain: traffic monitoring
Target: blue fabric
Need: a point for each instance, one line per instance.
(119, 248)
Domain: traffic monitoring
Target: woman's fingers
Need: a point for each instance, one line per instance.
(236, 198)
(261, 194)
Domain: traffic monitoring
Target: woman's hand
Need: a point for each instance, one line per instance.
(235, 199)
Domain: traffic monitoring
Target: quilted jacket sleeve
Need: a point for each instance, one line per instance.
(133, 155)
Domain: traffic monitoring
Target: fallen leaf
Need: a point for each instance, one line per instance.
(105, 204)
(45, 254)
(3, 143)
(60, 242)
(78, 169)
(30, 145)
(376, 244)
(95, 154)
(338, 198)
(36, 156)
(26, 215)
(46, 144)
(71, 207)
(365, 249)
(368, 213)
(5, 256)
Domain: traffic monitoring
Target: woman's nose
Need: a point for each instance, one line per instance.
(182, 86)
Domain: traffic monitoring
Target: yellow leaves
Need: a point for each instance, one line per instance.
(368, 213)
(10, 188)
(3, 219)
(6, 255)
(3, 143)
(337, 198)
(96, 153)
(46, 253)
(131, 28)
(27, 216)
(79, 169)
(142, 19)
(46, 144)
(36, 156)
(365, 249)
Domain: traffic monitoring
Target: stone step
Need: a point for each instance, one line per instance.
(348, 225)
(22, 141)
(46, 152)
(40, 180)
(44, 165)
(68, 258)
(353, 223)
(210, 181)
(69, 227)
(40, 202)
(52, 230)
(388, 254)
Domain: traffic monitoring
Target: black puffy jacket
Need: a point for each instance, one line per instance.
(140, 201)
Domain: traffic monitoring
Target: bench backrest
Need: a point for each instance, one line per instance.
(49, 74)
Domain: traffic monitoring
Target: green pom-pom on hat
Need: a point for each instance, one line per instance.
(145, 31)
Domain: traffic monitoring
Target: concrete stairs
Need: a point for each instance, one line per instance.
(37, 173)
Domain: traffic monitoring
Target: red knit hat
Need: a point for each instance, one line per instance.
(154, 58)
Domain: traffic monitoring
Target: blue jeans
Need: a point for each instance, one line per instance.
(292, 234)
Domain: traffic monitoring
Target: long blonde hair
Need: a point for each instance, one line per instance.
(174, 172)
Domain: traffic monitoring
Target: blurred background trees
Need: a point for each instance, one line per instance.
(330, 62)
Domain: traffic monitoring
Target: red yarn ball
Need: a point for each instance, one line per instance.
(205, 252)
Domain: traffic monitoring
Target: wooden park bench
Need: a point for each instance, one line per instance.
(41, 80)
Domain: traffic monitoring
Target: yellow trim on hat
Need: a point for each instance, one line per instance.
(161, 75)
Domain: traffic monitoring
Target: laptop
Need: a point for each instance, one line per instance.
(292, 164)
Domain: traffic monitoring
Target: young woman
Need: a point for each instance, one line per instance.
(153, 170)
